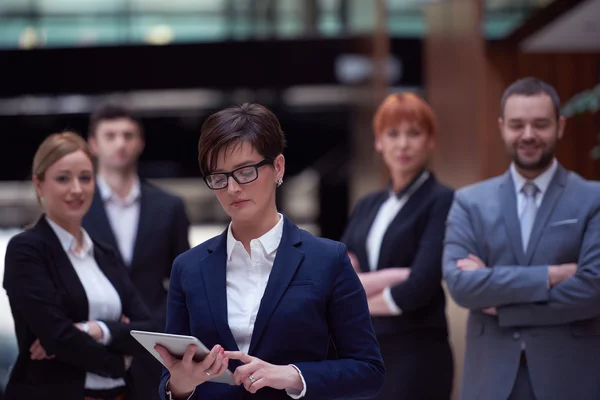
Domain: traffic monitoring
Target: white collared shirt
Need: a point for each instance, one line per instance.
(123, 216)
(247, 277)
(542, 182)
(104, 302)
(386, 214)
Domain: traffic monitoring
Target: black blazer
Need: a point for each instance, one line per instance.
(46, 298)
(162, 235)
(414, 239)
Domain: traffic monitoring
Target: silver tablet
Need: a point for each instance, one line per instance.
(177, 345)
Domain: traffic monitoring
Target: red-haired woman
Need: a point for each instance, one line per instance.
(395, 239)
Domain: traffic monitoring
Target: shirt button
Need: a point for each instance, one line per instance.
(516, 335)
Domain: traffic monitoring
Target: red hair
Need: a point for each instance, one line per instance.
(404, 107)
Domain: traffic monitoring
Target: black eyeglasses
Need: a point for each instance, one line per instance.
(242, 175)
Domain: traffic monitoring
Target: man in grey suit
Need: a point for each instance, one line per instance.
(522, 253)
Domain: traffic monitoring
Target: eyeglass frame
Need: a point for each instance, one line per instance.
(266, 161)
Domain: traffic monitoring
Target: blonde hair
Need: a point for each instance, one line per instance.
(52, 149)
(55, 147)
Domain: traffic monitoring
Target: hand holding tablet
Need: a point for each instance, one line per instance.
(189, 362)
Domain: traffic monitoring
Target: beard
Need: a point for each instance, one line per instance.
(541, 163)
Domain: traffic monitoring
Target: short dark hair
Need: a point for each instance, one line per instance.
(108, 112)
(251, 123)
(531, 86)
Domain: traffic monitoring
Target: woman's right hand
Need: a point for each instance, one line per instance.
(186, 373)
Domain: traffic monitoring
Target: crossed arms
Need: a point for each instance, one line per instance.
(521, 295)
(391, 291)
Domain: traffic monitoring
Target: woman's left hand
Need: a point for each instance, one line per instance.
(257, 374)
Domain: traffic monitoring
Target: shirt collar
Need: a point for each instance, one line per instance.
(542, 181)
(269, 241)
(68, 242)
(107, 194)
(412, 186)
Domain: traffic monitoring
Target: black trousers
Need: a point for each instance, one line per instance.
(418, 367)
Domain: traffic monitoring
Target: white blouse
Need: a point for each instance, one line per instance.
(103, 299)
(386, 214)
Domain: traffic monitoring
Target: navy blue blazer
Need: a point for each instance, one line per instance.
(313, 298)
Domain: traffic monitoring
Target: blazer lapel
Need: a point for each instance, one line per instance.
(215, 283)
(144, 224)
(508, 206)
(555, 190)
(286, 263)
(66, 272)
(370, 218)
(415, 200)
(98, 218)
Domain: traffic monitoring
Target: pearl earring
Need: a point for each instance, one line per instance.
(280, 182)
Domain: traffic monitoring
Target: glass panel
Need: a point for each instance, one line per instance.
(156, 29)
(362, 16)
(13, 6)
(329, 6)
(330, 25)
(177, 6)
(92, 22)
(408, 26)
(498, 25)
(75, 7)
(83, 31)
(11, 32)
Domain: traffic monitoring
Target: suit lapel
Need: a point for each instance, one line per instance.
(370, 218)
(144, 224)
(286, 263)
(415, 200)
(215, 283)
(98, 219)
(66, 272)
(555, 190)
(508, 202)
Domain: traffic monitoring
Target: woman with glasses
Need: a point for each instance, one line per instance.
(267, 297)
(395, 238)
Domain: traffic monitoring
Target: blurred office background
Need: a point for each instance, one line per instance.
(321, 65)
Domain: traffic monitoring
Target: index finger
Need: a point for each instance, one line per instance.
(211, 357)
(238, 355)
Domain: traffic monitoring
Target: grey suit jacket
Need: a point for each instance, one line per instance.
(560, 326)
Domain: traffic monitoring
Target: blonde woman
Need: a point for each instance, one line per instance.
(70, 297)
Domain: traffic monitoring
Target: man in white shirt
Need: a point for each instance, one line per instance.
(148, 226)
